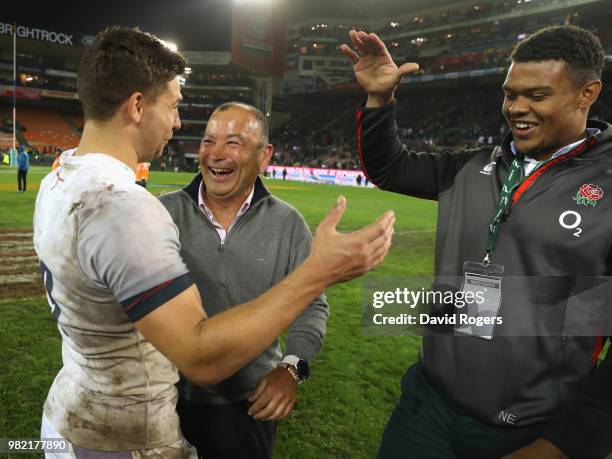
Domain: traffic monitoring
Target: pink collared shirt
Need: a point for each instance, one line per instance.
(211, 218)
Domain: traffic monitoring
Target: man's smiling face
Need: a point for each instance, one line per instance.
(541, 106)
(232, 154)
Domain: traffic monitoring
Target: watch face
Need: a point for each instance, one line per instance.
(303, 370)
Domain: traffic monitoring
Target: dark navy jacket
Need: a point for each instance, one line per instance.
(541, 365)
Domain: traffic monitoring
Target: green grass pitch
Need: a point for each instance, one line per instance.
(342, 408)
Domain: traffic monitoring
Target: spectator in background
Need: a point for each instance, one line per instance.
(23, 165)
(142, 174)
(56, 161)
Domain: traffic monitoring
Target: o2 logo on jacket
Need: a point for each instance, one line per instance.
(588, 195)
(570, 219)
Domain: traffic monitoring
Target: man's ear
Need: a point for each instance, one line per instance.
(589, 94)
(265, 157)
(135, 107)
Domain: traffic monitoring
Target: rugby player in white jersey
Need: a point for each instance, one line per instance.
(127, 310)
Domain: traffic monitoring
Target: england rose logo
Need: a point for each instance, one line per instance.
(589, 194)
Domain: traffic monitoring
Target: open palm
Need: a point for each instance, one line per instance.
(374, 68)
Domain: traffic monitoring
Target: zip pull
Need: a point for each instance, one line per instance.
(221, 244)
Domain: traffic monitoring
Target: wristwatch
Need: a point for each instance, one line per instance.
(298, 368)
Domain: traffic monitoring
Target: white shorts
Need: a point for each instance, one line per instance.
(181, 449)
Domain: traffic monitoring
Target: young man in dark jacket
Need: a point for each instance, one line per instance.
(533, 213)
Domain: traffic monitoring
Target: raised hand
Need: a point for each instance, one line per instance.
(374, 68)
(344, 256)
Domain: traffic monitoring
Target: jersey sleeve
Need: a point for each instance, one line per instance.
(128, 243)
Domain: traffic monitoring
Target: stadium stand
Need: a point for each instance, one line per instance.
(6, 140)
(42, 127)
(474, 35)
(462, 49)
(457, 115)
(463, 54)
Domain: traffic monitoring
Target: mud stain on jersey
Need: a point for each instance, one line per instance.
(77, 422)
(117, 379)
(75, 206)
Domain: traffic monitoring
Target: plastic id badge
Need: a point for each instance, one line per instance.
(482, 292)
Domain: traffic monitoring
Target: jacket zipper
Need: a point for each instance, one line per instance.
(240, 221)
(207, 222)
(563, 345)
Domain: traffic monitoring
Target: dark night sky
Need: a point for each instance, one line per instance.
(192, 24)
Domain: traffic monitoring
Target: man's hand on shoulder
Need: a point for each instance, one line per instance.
(539, 449)
(274, 396)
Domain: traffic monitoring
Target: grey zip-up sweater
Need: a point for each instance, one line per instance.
(541, 365)
(270, 240)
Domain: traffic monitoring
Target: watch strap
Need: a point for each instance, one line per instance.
(291, 369)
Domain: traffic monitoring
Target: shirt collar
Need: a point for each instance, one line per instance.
(243, 208)
(561, 151)
(68, 160)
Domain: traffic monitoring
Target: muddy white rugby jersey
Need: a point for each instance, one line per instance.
(109, 255)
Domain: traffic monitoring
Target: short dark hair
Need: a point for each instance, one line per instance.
(262, 120)
(120, 62)
(580, 49)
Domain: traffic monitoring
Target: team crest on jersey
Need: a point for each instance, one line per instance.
(589, 194)
(488, 168)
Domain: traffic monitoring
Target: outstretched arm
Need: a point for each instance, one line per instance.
(210, 350)
(383, 159)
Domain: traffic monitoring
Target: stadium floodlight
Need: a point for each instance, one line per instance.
(188, 71)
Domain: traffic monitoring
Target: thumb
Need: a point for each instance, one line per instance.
(407, 68)
(331, 220)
